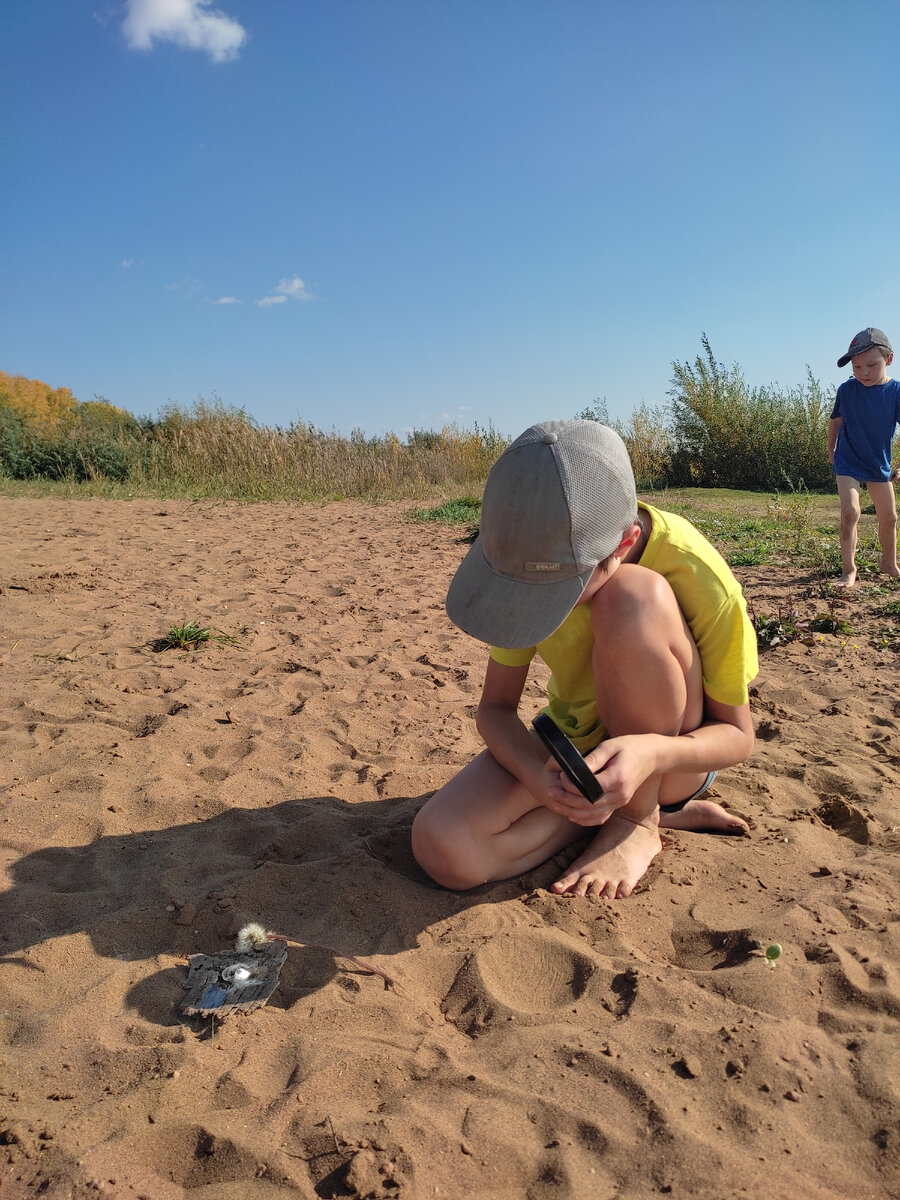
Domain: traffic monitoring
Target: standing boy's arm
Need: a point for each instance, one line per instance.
(504, 734)
(834, 428)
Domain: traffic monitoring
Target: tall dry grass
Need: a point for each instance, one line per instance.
(218, 452)
(213, 450)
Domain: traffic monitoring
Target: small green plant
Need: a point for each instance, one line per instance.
(453, 512)
(191, 636)
(828, 623)
(464, 511)
(775, 630)
(749, 556)
(773, 953)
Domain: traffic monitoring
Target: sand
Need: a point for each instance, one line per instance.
(535, 1046)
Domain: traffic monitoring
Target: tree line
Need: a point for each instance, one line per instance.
(713, 430)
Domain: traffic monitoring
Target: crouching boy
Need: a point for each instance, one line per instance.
(645, 631)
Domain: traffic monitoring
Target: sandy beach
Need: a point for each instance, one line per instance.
(533, 1047)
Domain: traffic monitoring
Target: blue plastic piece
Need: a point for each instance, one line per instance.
(213, 997)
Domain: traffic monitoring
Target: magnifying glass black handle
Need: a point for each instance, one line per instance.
(568, 757)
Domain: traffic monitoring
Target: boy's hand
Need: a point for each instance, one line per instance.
(621, 765)
(548, 788)
(563, 797)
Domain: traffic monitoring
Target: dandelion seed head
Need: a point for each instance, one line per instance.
(251, 937)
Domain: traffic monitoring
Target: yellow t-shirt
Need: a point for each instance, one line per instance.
(713, 605)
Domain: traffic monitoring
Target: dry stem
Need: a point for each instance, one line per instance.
(388, 979)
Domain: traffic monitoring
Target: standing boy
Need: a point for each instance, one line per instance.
(646, 633)
(866, 412)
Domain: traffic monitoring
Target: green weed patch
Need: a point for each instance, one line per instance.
(191, 636)
(454, 512)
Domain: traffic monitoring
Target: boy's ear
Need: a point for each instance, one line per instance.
(629, 538)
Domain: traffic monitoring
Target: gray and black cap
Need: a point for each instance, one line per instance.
(865, 340)
(556, 504)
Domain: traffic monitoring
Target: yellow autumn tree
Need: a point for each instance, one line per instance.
(36, 401)
(56, 408)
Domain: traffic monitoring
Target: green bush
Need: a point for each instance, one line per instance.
(727, 434)
(13, 444)
(63, 451)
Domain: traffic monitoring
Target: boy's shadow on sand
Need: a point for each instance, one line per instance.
(317, 870)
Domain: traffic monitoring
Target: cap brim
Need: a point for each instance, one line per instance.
(845, 358)
(506, 612)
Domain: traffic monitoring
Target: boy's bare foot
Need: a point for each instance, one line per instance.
(889, 566)
(704, 816)
(614, 862)
(846, 581)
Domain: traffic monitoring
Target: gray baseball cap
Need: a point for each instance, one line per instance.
(865, 340)
(556, 503)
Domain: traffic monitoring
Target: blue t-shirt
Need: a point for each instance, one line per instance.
(870, 415)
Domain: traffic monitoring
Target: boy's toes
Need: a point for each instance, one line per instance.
(567, 883)
(577, 883)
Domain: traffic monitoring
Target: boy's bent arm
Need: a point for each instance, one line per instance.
(726, 737)
(504, 733)
(623, 763)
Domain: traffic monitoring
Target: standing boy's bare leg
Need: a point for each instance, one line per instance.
(647, 679)
(886, 514)
(848, 490)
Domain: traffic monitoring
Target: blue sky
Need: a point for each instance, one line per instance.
(394, 214)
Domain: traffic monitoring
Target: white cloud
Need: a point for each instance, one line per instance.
(191, 24)
(226, 300)
(126, 263)
(295, 288)
(289, 289)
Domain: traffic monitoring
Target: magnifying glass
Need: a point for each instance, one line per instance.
(568, 757)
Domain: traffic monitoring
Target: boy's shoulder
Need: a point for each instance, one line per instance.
(890, 387)
(672, 526)
(850, 387)
(678, 547)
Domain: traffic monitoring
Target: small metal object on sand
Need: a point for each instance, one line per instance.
(235, 981)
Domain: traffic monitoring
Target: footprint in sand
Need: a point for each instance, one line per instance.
(845, 819)
(197, 1157)
(854, 986)
(524, 977)
(697, 949)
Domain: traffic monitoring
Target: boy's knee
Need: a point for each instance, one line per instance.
(851, 508)
(436, 850)
(634, 594)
